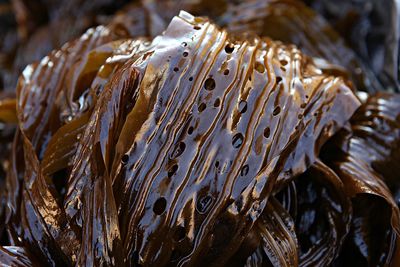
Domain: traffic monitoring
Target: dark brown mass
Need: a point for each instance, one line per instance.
(161, 139)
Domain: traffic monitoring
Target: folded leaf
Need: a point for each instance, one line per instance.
(277, 230)
(214, 125)
(365, 157)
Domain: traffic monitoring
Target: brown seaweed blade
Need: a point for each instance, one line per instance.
(62, 146)
(271, 241)
(16, 257)
(13, 189)
(73, 77)
(376, 127)
(371, 28)
(42, 84)
(208, 104)
(98, 66)
(324, 215)
(39, 97)
(312, 237)
(277, 230)
(171, 150)
(8, 113)
(90, 182)
(293, 22)
(365, 156)
(43, 223)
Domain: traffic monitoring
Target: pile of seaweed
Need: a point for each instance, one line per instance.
(165, 139)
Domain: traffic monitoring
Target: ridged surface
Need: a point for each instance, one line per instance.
(201, 147)
(170, 149)
(365, 156)
(15, 256)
